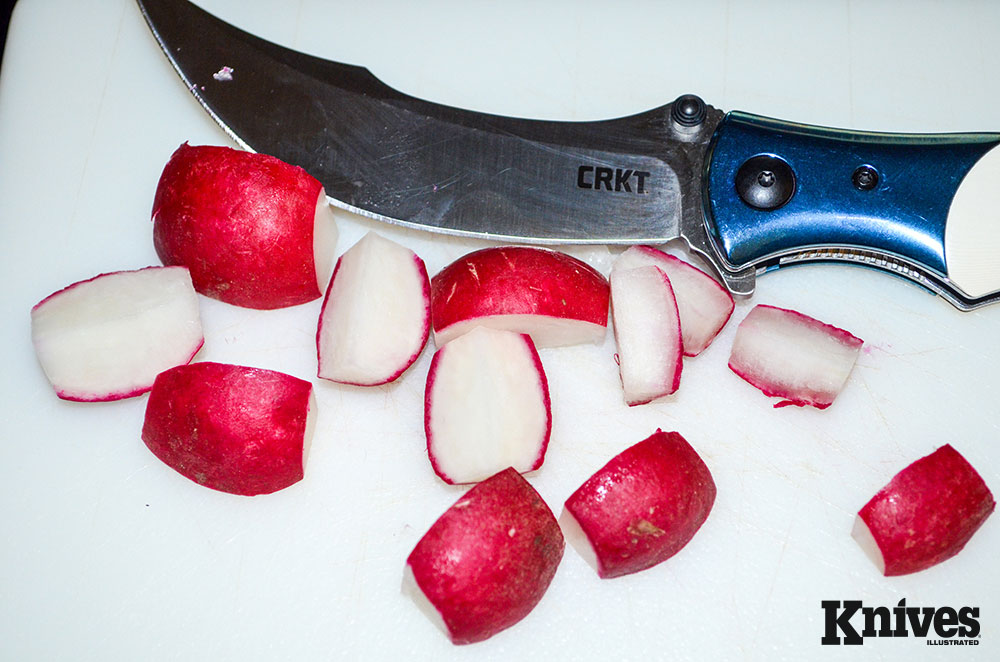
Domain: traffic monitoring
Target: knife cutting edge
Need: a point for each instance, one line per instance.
(746, 192)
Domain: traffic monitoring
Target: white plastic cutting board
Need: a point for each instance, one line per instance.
(109, 555)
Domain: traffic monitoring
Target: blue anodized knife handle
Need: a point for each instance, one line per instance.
(885, 193)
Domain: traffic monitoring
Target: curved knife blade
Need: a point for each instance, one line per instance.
(393, 157)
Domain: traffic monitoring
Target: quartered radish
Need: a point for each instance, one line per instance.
(641, 508)
(925, 515)
(792, 356)
(231, 428)
(703, 304)
(647, 333)
(108, 337)
(486, 406)
(487, 561)
(254, 230)
(376, 314)
(555, 298)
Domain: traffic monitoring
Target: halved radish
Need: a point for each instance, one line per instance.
(703, 304)
(254, 230)
(925, 515)
(231, 428)
(108, 337)
(555, 298)
(641, 508)
(486, 406)
(376, 314)
(487, 561)
(647, 333)
(789, 355)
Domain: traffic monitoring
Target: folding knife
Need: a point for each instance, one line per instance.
(748, 193)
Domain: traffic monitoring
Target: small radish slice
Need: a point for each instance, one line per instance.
(376, 314)
(925, 515)
(108, 337)
(231, 428)
(641, 508)
(789, 355)
(487, 561)
(486, 406)
(703, 304)
(647, 333)
(554, 297)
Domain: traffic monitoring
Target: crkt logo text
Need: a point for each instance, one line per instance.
(959, 626)
(622, 180)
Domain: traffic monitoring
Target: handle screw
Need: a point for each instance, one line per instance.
(865, 178)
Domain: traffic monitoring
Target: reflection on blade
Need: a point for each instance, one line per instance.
(397, 158)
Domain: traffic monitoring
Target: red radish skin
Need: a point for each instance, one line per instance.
(249, 226)
(488, 560)
(106, 338)
(375, 318)
(642, 507)
(554, 297)
(792, 356)
(703, 304)
(925, 515)
(647, 334)
(486, 406)
(232, 428)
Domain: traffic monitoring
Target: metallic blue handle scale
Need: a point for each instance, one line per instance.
(747, 193)
(834, 194)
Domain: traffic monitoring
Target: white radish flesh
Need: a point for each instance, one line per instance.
(647, 333)
(376, 314)
(108, 337)
(703, 304)
(792, 356)
(486, 406)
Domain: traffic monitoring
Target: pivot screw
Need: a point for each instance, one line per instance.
(765, 182)
(865, 178)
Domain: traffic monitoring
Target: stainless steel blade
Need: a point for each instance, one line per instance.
(390, 156)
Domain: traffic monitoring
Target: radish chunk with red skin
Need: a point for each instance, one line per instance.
(925, 515)
(789, 355)
(255, 231)
(108, 337)
(376, 314)
(487, 561)
(557, 299)
(703, 304)
(231, 428)
(641, 508)
(647, 333)
(486, 406)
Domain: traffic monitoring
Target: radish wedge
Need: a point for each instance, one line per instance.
(376, 314)
(789, 355)
(555, 298)
(641, 508)
(231, 428)
(647, 333)
(108, 337)
(703, 304)
(487, 561)
(486, 406)
(925, 515)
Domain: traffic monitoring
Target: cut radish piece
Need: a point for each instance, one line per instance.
(641, 508)
(647, 333)
(108, 337)
(487, 561)
(231, 428)
(703, 304)
(555, 298)
(789, 355)
(376, 315)
(925, 515)
(486, 406)
(254, 230)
